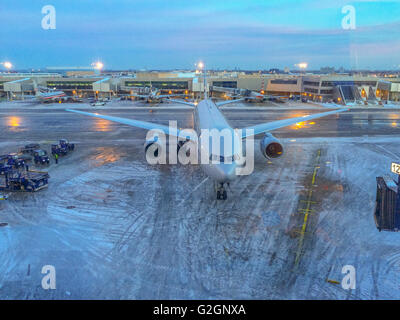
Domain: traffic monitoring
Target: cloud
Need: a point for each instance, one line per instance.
(174, 33)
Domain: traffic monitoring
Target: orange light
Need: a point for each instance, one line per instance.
(14, 121)
(102, 125)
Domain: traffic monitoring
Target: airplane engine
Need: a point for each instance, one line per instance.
(271, 147)
(152, 146)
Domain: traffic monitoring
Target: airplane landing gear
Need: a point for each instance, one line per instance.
(221, 192)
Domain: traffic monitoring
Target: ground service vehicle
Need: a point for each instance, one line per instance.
(41, 157)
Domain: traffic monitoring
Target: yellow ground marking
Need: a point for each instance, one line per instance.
(307, 210)
(332, 281)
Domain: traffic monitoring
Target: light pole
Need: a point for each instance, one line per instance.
(97, 66)
(200, 68)
(303, 66)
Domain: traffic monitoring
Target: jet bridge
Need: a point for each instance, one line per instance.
(19, 86)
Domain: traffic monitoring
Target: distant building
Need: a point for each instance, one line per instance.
(80, 73)
(274, 71)
(327, 70)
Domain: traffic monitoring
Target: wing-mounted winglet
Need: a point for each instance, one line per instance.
(182, 102)
(222, 103)
(269, 126)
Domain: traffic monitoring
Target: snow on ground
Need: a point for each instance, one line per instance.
(122, 229)
(115, 227)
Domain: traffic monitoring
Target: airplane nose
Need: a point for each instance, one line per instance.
(226, 172)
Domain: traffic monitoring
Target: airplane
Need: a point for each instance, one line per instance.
(52, 96)
(248, 95)
(234, 93)
(207, 116)
(44, 94)
(150, 94)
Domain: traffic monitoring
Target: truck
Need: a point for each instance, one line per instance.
(62, 148)
(29, 148)
(97, 103)
(40, 157)
(14, 160)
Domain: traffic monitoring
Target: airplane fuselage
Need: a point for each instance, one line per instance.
(208, 117)
(51, 96)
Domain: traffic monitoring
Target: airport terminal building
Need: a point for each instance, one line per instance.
(338, 88)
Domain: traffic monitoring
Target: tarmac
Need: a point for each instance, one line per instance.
(115, 227)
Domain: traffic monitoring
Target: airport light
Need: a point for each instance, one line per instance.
(302, 65)
(98, 65)
(8, 65)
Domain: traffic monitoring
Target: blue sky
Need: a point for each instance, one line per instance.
(164, 34)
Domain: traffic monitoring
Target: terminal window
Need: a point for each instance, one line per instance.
(174, 85)
(312, 90)
(281, 81)
(225, 84)
(311, 83)
(70, 84)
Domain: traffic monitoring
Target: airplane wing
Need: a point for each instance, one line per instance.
(182, 102)
(255, 98)
(269, 126)
(138, 95)
(221, 103)
(132, 122)
(163, 96)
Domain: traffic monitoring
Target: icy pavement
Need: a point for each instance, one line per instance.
(118, 228)
(115, 227)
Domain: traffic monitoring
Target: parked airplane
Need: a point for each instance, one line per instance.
(236, 93)
(150, 94)
(51, 96)
(44, 94)
(207, 116)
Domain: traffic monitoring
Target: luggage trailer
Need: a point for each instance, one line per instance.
(30, 181)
